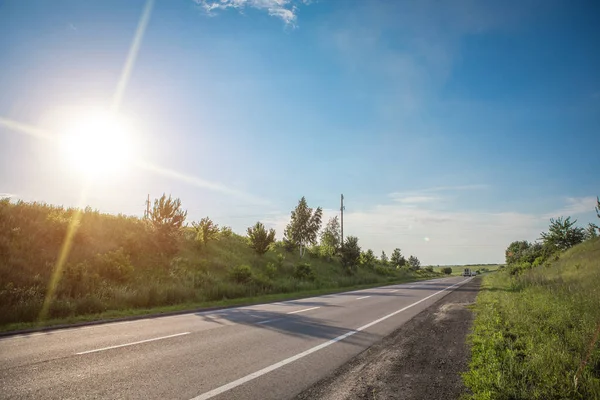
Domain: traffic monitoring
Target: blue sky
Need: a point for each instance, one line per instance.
(452, 128)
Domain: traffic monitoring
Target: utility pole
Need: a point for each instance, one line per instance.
(147, 211)
(342, 217)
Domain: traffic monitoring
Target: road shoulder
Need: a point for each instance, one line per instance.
(423, 359)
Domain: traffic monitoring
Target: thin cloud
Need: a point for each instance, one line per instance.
(573, 206)
(286, 10)
(424, 195)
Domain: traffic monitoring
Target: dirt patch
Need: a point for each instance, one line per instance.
(423, 359)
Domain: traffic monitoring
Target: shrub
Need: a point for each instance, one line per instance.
(241, 274)
(114, 266)
(429, 268)
(304, 271)
(260, 239)
(447, 270)
(271, 270)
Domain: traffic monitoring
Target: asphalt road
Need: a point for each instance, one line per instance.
(269, 351)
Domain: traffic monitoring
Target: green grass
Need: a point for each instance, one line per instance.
(533, 332)
(191, 307)
(457, 270)
(122, 266)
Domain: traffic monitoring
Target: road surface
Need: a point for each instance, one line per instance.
(269, 351)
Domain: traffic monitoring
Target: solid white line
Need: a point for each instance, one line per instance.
(364, 297)
(131, 344)
(266, 370)
(306, 309)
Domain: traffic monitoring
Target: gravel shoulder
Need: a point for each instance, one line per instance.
(423, 359)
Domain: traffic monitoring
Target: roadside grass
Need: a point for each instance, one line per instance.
(533, 334)
(190, 307)
(458, 269)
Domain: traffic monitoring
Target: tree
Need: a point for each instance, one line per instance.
(330, 237)
(259, 239)
(166, 215)
(562, 234)
(206, 230)
(598, 206)
(367, 259)
(383, 259)
(514, 250)
(414, 263)
(447, 270)
(397, 260)
(350, 254)
(591, 231)
(304, 225)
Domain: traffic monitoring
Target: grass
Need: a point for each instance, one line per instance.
(534, 334)
(122, 266)
(457, 270)
(187, 307)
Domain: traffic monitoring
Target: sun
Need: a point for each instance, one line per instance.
(98, 144)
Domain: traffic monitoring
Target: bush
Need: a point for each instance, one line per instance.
(429, 268)
(241, 274)
(271, 270)
(304, 271)
(447, 270)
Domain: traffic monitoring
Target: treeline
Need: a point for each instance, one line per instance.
(562, 234)
(118, 262)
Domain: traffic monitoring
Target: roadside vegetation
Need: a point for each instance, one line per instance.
(537, 326)
(60, 264)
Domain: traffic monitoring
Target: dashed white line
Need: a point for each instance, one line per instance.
(360, 298)
(269, 320)
(133, 343)
(306, 309)
(394, 291)
(266, 370)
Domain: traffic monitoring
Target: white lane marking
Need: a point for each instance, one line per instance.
(410, 287)
(306, 309)
(133, 343)
(266, 370)
(364, 297)
(269, 320)
(394, 291)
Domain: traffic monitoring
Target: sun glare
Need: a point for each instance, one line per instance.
(98, 144)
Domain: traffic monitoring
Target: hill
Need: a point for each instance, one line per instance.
(116, 265)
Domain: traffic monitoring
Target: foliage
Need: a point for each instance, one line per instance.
(225, 231)
(414, 263)
(206, 230)
(397, 260)
(447, 270)
(260, 239)
(562, 234)
(591, 231)
(241, 274)
(351, 254)
(367, 259)
(331, 237)
(304, 271)
(533, 334)
(383, 259)
(428, 268)
(166, 215)
(304, 225)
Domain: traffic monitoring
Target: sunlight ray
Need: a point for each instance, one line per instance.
(132, 55)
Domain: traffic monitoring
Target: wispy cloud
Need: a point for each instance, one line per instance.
(573, 206)
(286, 10)
(432, 194)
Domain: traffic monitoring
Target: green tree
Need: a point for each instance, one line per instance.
(514, 251)
(330, 237)
(447, 270)
(598, 206)
(367, 259)
(414, 263)
(397, 260)
(260, 239)
(383, 259)
(562, 234)
(304, 225)
(351, 254)
(166, 215)
(206, 230)
(591, 231)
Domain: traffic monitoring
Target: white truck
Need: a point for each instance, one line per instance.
(469, 272)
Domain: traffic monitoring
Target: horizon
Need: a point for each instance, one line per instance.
(452, 129)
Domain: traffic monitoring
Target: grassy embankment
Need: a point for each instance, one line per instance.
(118, 267)
(535, 335)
